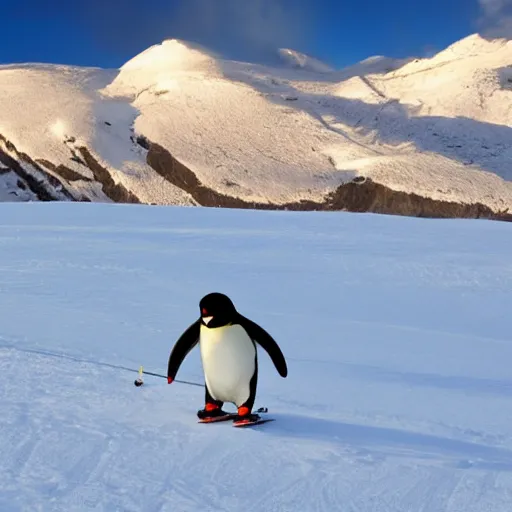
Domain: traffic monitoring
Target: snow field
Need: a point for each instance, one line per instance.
(396, 332)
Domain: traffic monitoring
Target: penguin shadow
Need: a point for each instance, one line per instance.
(373, 444)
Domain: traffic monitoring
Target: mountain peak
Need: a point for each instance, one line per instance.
(170, 54)
(159, 65)
(300, 60)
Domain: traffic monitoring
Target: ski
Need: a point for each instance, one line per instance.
(257, 420)
(218, 419)
(248, 423)
(234, 416)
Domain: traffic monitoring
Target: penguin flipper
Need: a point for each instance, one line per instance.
(265, 340)
(186, 342)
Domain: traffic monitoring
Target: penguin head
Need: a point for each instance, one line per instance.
(217, 310)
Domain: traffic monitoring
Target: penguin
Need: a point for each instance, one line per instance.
(228, 346)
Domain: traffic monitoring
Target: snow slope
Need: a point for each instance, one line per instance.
(396, 332)
(439, 127)
(49, 112)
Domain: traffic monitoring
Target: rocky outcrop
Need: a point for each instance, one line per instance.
(114, 191)
(368, 196)
(360, 195)
(57, 184)
(45, 188)
(67, 173)
(162, 161)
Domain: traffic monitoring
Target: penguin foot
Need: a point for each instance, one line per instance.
(207, 412)
(243, 411)
(245, 415)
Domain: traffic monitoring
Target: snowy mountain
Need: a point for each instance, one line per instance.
(396, 331)
(179, 125)
(298, 60)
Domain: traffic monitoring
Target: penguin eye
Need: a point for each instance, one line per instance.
(204, 311)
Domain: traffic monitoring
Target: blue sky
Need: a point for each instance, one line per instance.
(107, 33)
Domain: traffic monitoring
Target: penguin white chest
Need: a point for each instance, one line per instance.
(228, 357)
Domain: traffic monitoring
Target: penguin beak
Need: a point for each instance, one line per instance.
(207, 319)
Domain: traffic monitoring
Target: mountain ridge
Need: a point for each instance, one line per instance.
(273, 137)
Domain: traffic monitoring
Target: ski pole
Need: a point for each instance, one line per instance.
(139, 381)
(76, 359)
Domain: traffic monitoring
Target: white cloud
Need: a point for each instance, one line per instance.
(242, 28)
(496, 20)
(493, 7)
(251, 24)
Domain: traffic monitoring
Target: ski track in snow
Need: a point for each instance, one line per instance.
(395, 330)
